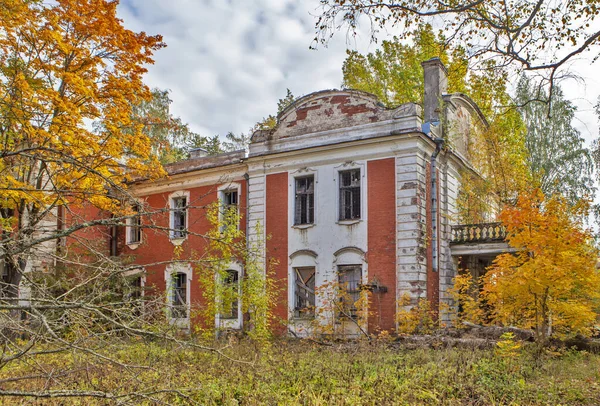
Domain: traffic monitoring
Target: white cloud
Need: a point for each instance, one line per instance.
(229, 61)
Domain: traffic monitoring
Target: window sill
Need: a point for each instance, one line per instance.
(348, 222)
(177, 241)
(303, 226)
(133, 245)
(302, 318)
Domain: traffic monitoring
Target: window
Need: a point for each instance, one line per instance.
(304, 292)
(230, 301)
(305, 200)
(134, 226)
(229, 207)
(350, 194)
(179, 295)
(179, 217)
(349, 277)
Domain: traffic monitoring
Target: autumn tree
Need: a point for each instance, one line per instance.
(539, 36)
(171, 138)
(393, 72)
(497, 152)
(550, 283)
(65, 65)
(557, 156)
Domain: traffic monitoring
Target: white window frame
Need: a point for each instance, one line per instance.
(295, 206)
(129, 226)
(170, 270)
(230, 187)
(349, 166)
(177, 240)
(234, 323)
(302, 173)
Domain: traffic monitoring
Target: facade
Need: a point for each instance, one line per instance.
(342, 192)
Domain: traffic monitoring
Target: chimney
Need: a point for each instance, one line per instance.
(198, 153)
(435, 77)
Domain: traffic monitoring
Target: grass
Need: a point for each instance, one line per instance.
(301, 373)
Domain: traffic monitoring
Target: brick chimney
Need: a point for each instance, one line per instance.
(435, 77)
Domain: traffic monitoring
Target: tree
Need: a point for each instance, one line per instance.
(170, 136)
(539, 36)
(63, 66)
(394, 74)
(270, 121)
(551, 283)
(497, 152)
(557, 156)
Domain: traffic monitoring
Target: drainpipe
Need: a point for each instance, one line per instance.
(439, 143)
(247, 218)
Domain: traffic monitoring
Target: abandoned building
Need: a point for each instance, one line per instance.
(341, 190)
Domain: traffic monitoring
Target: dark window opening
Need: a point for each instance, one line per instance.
(304, 292)
(230, 301)
(350, 194)
(179, 214)
(305, 200)
(349, 277)
(179, 308)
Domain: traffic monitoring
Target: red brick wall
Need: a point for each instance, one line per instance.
(276, 226)
(381, 237)
(156, 248)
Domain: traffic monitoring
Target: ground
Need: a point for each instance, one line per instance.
(305, 373)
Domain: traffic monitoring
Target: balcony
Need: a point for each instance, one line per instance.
(478, 233)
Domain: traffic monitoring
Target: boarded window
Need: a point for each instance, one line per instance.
(134, 234)
(179, 305)
(304, 292)
(179, 217)
(230, 301)
(349, 277)
(350, 194)
(305, 200)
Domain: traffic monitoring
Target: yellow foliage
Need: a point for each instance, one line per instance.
(551, 283)
(416, 319)
(70, 73)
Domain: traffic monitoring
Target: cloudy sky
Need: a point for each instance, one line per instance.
(227, 62)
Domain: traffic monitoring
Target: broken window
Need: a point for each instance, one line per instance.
(349, 278)
(134, 231)
(304, 292)
(179, 305)
(230, 301)
(179, 217)
(305, 200)
(350, 194)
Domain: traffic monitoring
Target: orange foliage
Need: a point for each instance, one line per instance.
(551, 283)
(69, 76)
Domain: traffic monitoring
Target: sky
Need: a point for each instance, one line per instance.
(227, 62)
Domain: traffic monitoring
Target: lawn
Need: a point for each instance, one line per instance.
(304, 373)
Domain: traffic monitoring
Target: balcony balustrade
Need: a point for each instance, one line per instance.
(478, 233)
